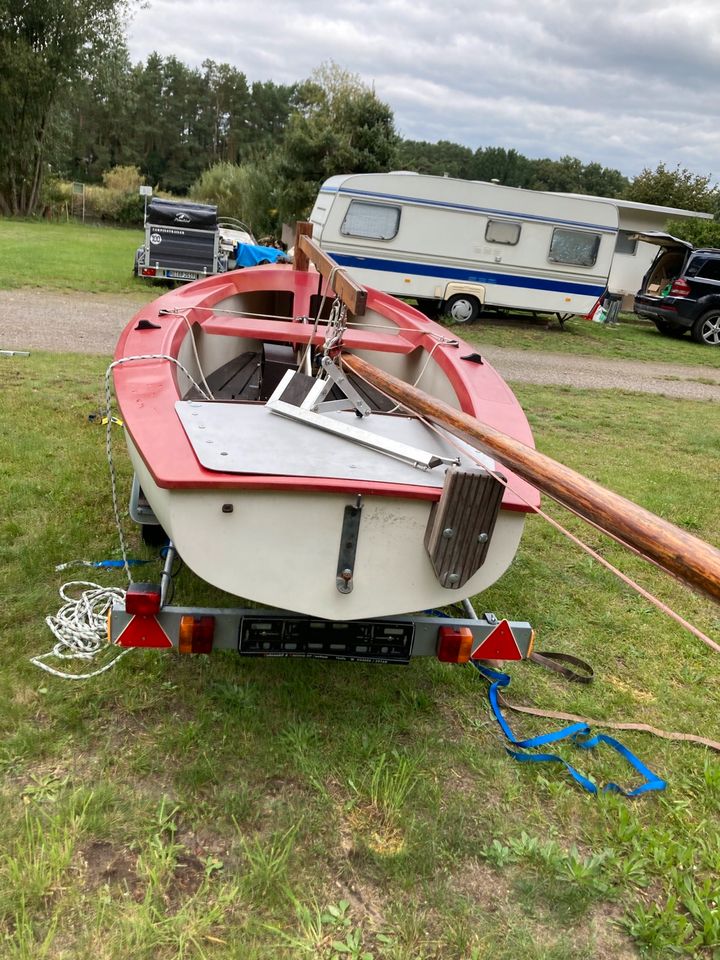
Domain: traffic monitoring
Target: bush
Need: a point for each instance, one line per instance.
(701, 233)
(244, 192)
(55, 198)
(123, 179)
(118, 200)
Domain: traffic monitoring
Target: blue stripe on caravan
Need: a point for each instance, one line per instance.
(511, 214)
(464, 274)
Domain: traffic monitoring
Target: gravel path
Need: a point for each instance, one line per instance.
(91, 323)
(669, 379)
(71, 322)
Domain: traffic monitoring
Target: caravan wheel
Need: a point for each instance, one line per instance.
(462, 308)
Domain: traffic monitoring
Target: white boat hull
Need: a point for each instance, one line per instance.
(281, 549)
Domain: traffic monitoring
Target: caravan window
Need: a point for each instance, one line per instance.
(626, 242)
(574, 246)
(375, 221)
(502, 231)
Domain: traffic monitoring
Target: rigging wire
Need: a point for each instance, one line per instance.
(197, 358)
(360, 324)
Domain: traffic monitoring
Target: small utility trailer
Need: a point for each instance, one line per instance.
(185, 241)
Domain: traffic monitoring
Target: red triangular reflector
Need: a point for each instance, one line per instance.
(498, 645)
(143, 631)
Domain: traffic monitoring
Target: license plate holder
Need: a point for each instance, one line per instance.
(375, 641)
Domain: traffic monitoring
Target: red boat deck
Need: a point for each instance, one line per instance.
(147, 388)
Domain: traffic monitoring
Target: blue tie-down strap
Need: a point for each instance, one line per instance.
(118, 564)
(579, 733)
(102, 564)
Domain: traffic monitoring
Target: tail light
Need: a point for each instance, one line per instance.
(680, 288)
(143, 599)
(196, 634)
(454, 644)
(149, 271)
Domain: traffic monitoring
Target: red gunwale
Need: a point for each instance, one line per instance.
(147, 389)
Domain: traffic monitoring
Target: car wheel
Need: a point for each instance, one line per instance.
(462, 308)
(669, 329)
(706, 329)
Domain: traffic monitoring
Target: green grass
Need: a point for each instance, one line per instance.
(69, 256)
(632, 339)
(218, 808)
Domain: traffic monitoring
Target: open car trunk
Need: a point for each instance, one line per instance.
(667, 265)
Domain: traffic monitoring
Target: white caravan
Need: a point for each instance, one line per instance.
(463, 245)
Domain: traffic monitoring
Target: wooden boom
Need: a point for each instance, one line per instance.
(674, 550)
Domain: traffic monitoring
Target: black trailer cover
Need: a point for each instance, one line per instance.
(171, 213)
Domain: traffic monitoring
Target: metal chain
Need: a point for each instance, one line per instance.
(337, 324)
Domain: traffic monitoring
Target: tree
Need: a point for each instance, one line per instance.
(496, 163)
(243, 191)
(339, 126)
(700, 233)
(603, 181)
(674, 188)
(443, 157)
(558, 176)
(91, 129)
(44, 46)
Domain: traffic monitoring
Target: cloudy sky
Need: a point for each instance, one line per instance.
(627, 84)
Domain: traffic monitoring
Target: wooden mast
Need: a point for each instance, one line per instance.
(686, 557)
(352, 294)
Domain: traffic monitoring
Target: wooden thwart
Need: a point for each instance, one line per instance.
(461, 525)
(678, 552)
(352, 294)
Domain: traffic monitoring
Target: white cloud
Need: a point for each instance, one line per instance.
(626, 85)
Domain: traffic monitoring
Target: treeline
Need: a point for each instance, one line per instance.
(173, 122)
(74, 107)
(567, 175)
(261, 150)
(169, 120)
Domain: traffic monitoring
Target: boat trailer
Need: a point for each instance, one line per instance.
(145, 619)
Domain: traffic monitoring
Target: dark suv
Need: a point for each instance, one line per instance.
(681, 290)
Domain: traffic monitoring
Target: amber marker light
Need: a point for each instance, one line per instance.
(196, 634)
(454, 644)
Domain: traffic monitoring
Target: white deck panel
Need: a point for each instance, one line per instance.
(249, 438)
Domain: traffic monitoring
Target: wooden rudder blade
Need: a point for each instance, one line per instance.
(461, 525)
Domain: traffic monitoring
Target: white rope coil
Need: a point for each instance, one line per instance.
(80, 628)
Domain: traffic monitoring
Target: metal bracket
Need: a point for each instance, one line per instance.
(374, 441)
(315, 398)
(336, 375)
(306, 395)
(310, 395)
(348, 547)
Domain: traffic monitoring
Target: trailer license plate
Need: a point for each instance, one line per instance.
(282, 636)
(180, 275)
